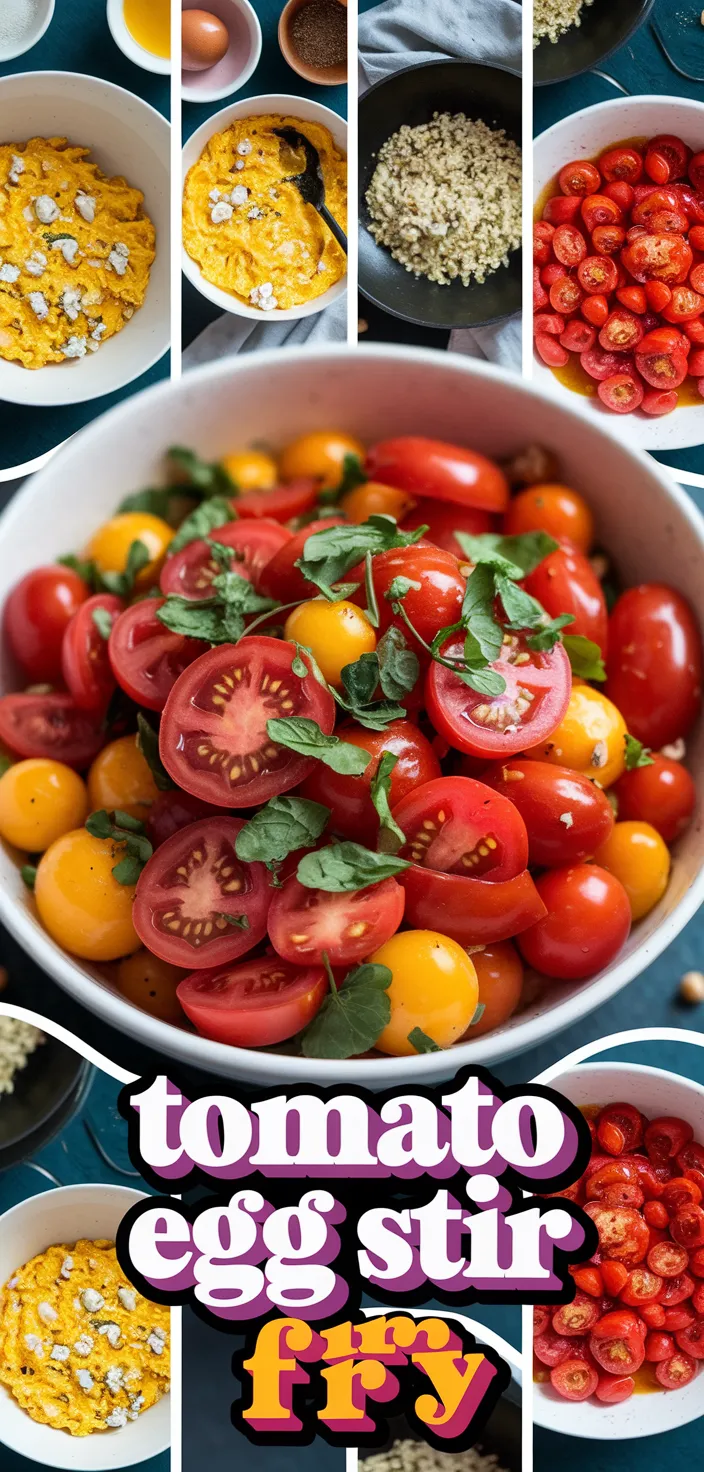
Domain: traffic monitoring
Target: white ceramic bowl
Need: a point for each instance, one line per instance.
(130, 48)
(44, 15)
(42, 1221)
(651, 526)
(282, 104)
(586, 134)
(655, 1093)
(240, 59)
(125, 136)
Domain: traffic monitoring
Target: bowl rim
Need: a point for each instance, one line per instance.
(426, 66)
(217, 94)
(610, 1428)
(218, 1058)
(148, 61)
(647, 426)
(191, 152)
(604, 56)
(24, 46)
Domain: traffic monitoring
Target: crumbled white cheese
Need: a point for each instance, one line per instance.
(92, 1300)
(322, 266)
(47, 1314)
(221, 212)
(71, 300)
(85, 1379)
(254, 213)
(60, 1352)
(114, 1378)
(39, 305)
(76, 347)
(567, 819)
(112, 1333)
(214, 196)
(128, 1299)
(34, 1345)
(28, 214)
(16, 168)
(240, 194)
(244, 147)
(9, 273)
(156, 1341)
(85, 204)
(46, 209)
(118, 259)
(117, 1418)
(68, 247)
(83, 1345)
(67, 1267)
(240, 163)
(36, 265)
(263, 297)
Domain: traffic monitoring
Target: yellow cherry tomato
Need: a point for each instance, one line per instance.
(109, 546)
(591, 738)
(151, 984)
(39, 800)
(320, 455)
(637, 855)
(251, 470)
(80, 902)
(375, 499)
(434, 987)
(336, 633)
(120, 778)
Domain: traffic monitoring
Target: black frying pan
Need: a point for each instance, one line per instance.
(501, 1435)
(412, 96)
(47, 1092)
(605, 25)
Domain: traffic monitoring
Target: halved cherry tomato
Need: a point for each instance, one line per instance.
(569, 245)
(566, 295)
(459, 826)
(657, 403)
(579, 177)
(643, 1286)
(686, 305)
(622, 162)
(597, 274)
(146, 658)
(687, 1226)
(196, 904)
(565, 583)
(36, 616)
(654, 663)
(432, 605)
(500, 976)
(529, 709)
(541, 1319)
(696, 171)
(677, 1290)
(578, 336)
(676, 1372)
(562, 209)
(633, 298)
(612, 1389)
(598, 209)
(552, 1349)
(627, 1119)
(426, 467)
(190, 573)
(621, 193)
(566, 816)
(213, 738)
(280, 504)
(668, 1259)
(608, 239)
(574, 1379)
(542, 237)
(665, 371)
(675, 153)
(554, 271)
(540, 296)
(690, 1155)
(587, 922)
(617, 1344)
(280, 578)
(658, 1346)
(660, 210)
(551, 508)
(615, 1275)
(666, 1137)
(443, 519)
(50, 726)
(598, 363)
(471, 911)
(577, 1317)
(589, 1280)
(84, 653)
(622, 393)
(550, 349)
(253, 1005)
(548, 322)
(691, 1340)
(621, 333)
(305, 924)
(352, 812)
(658, 256)
(656, 1216)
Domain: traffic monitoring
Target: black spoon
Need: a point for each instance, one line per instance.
(310, 183)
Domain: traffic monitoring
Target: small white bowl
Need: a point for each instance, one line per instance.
(42, 1221)
(655, 1093)
(45, 12)
(281, 104)
(126, 137)
(240, 59)
(586, 134)
(131, 48)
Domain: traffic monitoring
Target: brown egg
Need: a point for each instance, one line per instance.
(204, 38)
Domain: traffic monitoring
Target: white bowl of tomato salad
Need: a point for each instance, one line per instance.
(626, 1357)
(618, 273)
(409, 894)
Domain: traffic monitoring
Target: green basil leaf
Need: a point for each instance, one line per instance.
(361, 679)
(329, 554)
(379, 715)
(128, 870)
(346, 866)
(238, 592)
(29, 874)
(122, 583)
(126, 832)
(370, 593)
(278, 829)
(207, 478)
(298, 733)
(350, 1020)
(87, 571)
(584, 657)
(399, 666)
(485, 681)
(478, 613)
(637, 755)
(399, 588)
(240, 922)
(205, 519)
(478, 1014)
(549, 634)
(103, 622)
(206, 619)
(524, 552)
(522, 611)
(353, 474)
(155, 500)
(391, 837)
(148, 743)
(421, 1042)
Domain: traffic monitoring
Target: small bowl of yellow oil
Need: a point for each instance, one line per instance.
(142, 30)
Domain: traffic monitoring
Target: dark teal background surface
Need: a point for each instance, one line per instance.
(272, 75)
(640, 67)
(78, 40)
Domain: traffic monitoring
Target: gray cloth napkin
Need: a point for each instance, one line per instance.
(231, 334)
(403, 33)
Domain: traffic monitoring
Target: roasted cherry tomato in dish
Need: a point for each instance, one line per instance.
(622, 162)
(574, 1379)
(444, 472)
(196, 904)
(566, 815)
(307, 924)
(531, 707)
(587, 922)
(214, 739)
(352, 813)
(50, 726)
(662, 794)
(655, 663)
(255, 1004)
(36, 616)
(146, 657)
(85, 661)
(460, 826)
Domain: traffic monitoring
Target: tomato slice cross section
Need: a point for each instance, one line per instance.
(253, 1005)
(50, 726)
(460, 826)
(146, 657)
(529, 709)
(214, 740)
(85, 664)
(304, 923)
(196, 904)
(191, 571)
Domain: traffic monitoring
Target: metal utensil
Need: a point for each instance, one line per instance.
(310, 184)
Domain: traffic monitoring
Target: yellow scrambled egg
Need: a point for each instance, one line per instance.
(75, 253)
(249, 230)
(80, 1349)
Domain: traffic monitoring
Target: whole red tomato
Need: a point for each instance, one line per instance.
(433, 468)
(654, 665)
(565, 583)
(37, 613)
(352, 812)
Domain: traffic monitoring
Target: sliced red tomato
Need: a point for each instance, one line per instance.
(473, 912)
(666, 157)
(574, 1379)
(443, 519)
(36, 616)
(626, 1122)
(84, 653)
(196, 904)
(50, 726)
(691, 1340)
(612, 1389)
(623, 1235)
(658, 256)
(676, 1372)
(146, 657)
(190, 572)
(579, 177)
(213, 739)
(588, 921)
(564, 582)
(352, 812)
(617, 1343)
(306, 923)
(577, 1317)
(253, 1005)
(528, 711)
(621, 163)
(458, 826)
(281, 503)
(426, 467)
(280, 578)
(566, 815)
(655, 663)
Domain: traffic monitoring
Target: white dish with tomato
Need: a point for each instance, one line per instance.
(353, 805)
(618, 275)
(624, 1358)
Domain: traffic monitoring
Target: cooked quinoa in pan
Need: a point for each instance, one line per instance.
(551, 18)
(18, 1041)
(417, 1456)
(445, 198)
